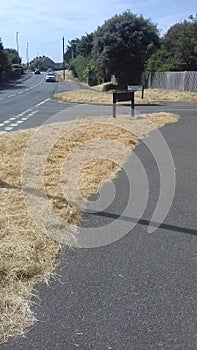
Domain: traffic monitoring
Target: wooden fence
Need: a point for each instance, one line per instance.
(183, 81)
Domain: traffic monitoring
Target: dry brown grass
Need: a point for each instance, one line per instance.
(26, 254)
(93, 96)
(150, 96)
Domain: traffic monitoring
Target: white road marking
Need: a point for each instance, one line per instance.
(26, 114)
(8, 128)
(26, 90)
(11, 95)
(41, 103)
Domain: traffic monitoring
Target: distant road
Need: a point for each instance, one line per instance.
(27, 102)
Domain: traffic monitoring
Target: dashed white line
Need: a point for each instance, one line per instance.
(25, 112)
(2, 98)
(8, 128)
(41, 103)
(12, 95)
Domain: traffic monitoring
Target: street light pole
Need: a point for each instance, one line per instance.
(63, 60)
(17, 47)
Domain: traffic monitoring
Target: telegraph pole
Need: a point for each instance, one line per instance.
(27, 55)
(63, 60)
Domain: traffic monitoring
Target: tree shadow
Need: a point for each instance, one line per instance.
(144, 222)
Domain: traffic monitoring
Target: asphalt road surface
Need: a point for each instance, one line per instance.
(27, 102)
(138, 293)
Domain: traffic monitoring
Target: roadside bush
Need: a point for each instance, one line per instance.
(78, 67)
(109, 87)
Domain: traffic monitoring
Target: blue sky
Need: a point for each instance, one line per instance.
(43, 23)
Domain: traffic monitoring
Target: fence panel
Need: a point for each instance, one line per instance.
(183, 81)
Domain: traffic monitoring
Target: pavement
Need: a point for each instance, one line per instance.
(138, 292)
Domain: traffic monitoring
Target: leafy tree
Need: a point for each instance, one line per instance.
(78, 67)
(181, 42)
(71, 50)
(85, 45)
(5, 66)
(122, 45)
(160, 61)
(13, 56)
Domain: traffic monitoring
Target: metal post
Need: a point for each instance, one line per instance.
(132, 104)
(114, 105)
(142, 96)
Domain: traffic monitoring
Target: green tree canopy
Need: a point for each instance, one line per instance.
(122, 45)
(160, 61)
(13, 56)
(5, 66)
(85, 45)
(181, 42)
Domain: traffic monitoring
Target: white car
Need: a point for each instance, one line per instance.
(50, 77)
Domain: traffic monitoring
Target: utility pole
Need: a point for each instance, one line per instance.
(27, 55)
(63, 60)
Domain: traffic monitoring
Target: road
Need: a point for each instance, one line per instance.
(138, 293)
(27, 102)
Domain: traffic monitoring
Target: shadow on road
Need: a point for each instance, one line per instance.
(144, 222)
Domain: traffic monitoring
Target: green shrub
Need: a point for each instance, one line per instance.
(109, 87)
(78, 67)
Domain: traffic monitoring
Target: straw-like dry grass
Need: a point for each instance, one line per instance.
(150, 96)
(27, 255)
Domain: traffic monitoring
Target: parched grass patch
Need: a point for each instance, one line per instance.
(27, 254)
(170, 95)
(94, 96)
(150, 96)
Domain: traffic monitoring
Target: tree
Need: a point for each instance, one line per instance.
(71, 50)
(13, 56)
(78, 67)
(122, 45)
(160, 61)
(5, 66)
(181, 42)
(85, 45)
